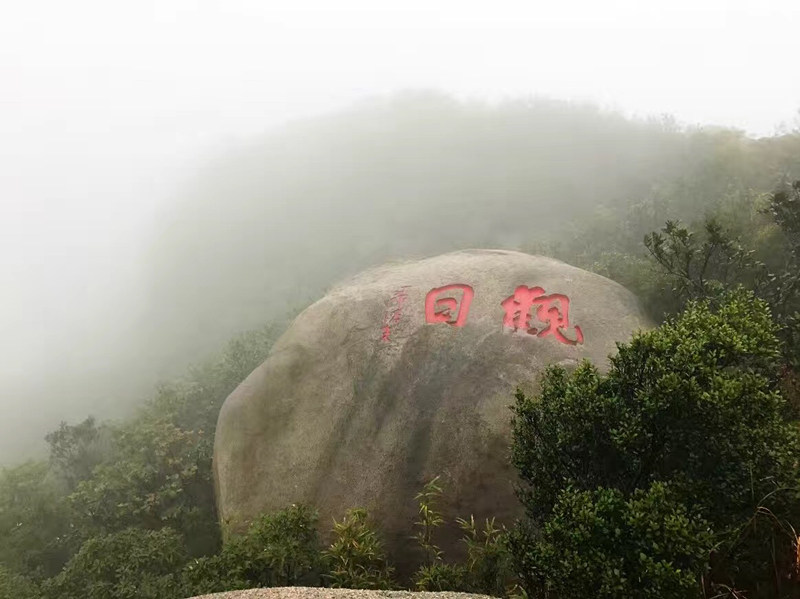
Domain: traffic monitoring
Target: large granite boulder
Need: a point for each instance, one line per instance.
(403, 373)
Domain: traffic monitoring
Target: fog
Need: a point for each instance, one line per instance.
(131, 132)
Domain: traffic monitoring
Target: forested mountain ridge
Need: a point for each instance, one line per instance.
(270, 225)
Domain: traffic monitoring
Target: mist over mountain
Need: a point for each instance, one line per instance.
(264, 226)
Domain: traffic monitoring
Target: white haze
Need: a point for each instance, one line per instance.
(107, 106)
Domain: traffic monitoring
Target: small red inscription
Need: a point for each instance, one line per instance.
(551, 310)
(394, 312)
(442, 304)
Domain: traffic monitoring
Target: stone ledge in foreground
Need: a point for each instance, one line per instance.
(324, 593)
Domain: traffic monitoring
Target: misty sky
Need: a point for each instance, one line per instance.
(105, 106)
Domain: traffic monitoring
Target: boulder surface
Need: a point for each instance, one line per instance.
(403, 373)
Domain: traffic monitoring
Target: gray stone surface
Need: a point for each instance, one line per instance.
(316, 593)
(345, 412)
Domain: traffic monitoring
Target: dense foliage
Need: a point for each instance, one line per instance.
(712, 261)
(16, 586)
(674, 473)
(118, 484)
(356, 557)
(134, 563)
(604, 543)
(281, 549)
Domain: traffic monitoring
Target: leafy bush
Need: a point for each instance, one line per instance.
(440, 576)
(280, 549)
(600, 544)
(36, 533)
(156, 478)
(212, 574)
(286, 543)
(356, 558)
(694, 405)
(75, 449)
(14, 586)
(708, 263)
(489, 568)
(130, 564)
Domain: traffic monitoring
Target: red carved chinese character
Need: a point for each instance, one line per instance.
(552, 310)
(447, 308)
(393, 316)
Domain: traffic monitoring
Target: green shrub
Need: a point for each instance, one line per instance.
(75, 450)
(489, 568)
(429, 520)
(442, 577)
(14, 586)
(214, 574)
(287, 543)
(130, 564)
(763, 255)
(156, 477)
(600, 544)
(356, 558)
(693, 404)
(36, 529)
(280, 549)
